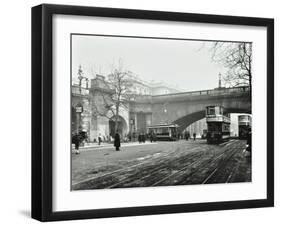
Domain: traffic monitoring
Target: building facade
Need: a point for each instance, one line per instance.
(89, 112)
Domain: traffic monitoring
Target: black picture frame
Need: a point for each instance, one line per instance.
(42, 107)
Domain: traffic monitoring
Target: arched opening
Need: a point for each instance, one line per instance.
(189, 119)
(121, 126)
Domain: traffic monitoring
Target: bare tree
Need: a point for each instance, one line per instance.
(116, 94)
(237, 58)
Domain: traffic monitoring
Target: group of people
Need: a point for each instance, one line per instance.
(187, 135)
(117, 140)
(80, 136)
(143, 136)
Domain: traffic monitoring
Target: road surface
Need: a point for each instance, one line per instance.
(161, 164)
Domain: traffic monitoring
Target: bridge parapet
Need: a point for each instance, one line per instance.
(242, 90)
(79, 91)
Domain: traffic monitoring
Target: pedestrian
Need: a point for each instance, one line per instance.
(249, 141)
(151, 137)
(154, 137)
(86, 138)
(139, 138)
(99, 139)
(117, 141)
(76, 141)
(186, 135)
(194, 136)
(143, 137)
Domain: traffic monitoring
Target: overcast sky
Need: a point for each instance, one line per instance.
(183, 63)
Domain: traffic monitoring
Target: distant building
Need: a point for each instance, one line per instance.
(153, 88)
(140, 87)
(160, 88)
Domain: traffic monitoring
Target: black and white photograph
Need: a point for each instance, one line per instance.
(140, 112)
(154, 111)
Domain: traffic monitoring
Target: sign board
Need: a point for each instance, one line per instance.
(79, 109)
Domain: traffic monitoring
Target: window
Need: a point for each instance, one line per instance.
(211, 111)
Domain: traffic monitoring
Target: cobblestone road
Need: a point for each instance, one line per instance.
(161, 164)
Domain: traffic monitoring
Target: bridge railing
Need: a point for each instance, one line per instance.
(210, 92)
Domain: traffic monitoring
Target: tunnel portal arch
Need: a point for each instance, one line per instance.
(188, 119)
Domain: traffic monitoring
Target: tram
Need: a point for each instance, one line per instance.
(218, 124)
(164, 132)
(244, 124)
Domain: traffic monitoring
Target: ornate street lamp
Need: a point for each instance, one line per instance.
(219, 80)
(81, 77)
(87, 83)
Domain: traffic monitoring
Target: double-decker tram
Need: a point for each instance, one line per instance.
(164, 132)
(244, 125)
(218, 124)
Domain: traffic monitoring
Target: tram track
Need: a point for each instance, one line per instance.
(212, 177)
(131, 182)
(183, 171)
(110, 175)
(148, 172)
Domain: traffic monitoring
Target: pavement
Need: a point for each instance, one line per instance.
(103, 145)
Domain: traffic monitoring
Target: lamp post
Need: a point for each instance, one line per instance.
(79, 110)
(219, 80)
(166, 113)
(81, 77)
(87, 83)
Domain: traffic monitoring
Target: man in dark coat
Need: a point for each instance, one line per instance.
(143, 137)
(117, 141)
(139, 138)
(99, 139)
(194, 136)
(186, 135)
(76, 141)
(151, 137)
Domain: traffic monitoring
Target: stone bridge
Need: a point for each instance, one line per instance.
(188, 107)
